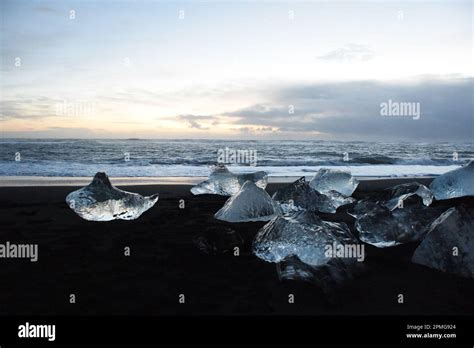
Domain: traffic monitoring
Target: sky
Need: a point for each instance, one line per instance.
(236, 70)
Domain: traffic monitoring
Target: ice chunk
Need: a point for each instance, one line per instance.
(292, 268)
(225, 183)
(400, 193)
(101, 201)
(300, 195)
(217, 240)
(303, 234)
(251, 203)
(399, 216)
(337, 200)
(449, 244)
(328, 277)
(383, 228)
(327, 180)
(363, 207)
(456, 183)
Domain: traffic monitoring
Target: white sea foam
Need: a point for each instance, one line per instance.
(68, 169)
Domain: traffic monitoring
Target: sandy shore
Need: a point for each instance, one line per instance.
(87, 259)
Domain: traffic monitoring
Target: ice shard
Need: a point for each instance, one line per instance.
(217, 240)
(101, 201)
(363, 207)
(328, 277)
(251, 203)
(399, 215)
(225, 183)
(456, 183)
(400, 194)
(327, 180)
(304, 235)
(301, 196)
(383, 227)
(449, 243)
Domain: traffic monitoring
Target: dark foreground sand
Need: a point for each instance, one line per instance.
(87, 259)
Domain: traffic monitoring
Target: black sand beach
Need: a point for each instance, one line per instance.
(87, 259)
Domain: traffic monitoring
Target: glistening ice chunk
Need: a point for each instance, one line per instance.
(456, 183)
(449, 244)
(327, 180)
(100, 201)
(363, 207)
(251, 203)
(400, 193)
(399, 216)
(383, 228)
(225, 183)
(328, 277)
(305, 235)
(300, 196)
(338, 199)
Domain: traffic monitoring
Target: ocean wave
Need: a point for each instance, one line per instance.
(75, 169)
(83, 157)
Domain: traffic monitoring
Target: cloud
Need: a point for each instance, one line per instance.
(349, 52)
(28, 108)
(194, 120)
(352, 110)
(335, 110)
(256, 129)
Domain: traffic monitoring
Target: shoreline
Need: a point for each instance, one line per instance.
(33, 181)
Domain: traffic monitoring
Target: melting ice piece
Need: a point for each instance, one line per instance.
(292, 268)
(305, 235)
(327, 180)
(456, 183)
(338, 199)
(449, 244)
(383, 228)
(251, 203)
(300, 196)
(400, 193)
(328, 277)
(101, 201)
(363, 207)
(225, 183)
(217, 240)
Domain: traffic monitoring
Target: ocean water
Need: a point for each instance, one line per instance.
(159, 158)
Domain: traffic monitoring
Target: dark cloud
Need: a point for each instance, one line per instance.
(352, 110)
